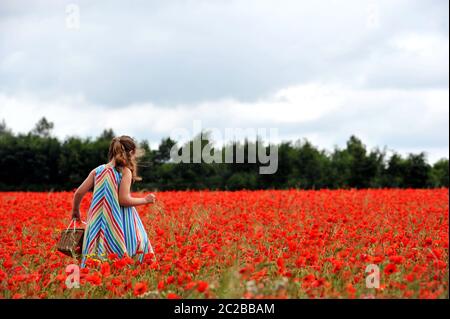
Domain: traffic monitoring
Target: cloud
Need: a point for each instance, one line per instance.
(326, 115)
(321, 70)
(193, 51)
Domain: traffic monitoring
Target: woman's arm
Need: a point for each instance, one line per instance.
(80, 192)
(125, 198)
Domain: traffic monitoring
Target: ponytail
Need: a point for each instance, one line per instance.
(120, 151)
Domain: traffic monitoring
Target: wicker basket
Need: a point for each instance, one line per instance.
(71, 241)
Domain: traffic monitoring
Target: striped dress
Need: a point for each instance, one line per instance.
(111, 228)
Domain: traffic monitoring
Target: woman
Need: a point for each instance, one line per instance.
(113, 224)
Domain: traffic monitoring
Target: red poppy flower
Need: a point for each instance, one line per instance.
(140, 288)
(396, 259)
(202, 286)
(190, 285)
(105, 269)
(390, 269)
(94, 279)
(170, 279)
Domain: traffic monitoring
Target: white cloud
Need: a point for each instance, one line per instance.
(322, 70)
(426, 46)
(193, 51)
(404, 120)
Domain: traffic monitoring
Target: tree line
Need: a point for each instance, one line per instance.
(37, 161)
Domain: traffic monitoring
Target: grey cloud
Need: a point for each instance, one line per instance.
(183, 52)
(397, 127)
(191, 51)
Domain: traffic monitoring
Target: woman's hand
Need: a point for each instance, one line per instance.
(125, 198)
(76, 215)
(150, 198)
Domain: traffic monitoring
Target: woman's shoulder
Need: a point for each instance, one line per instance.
(99, 168)
(126, 170)
(118, 171)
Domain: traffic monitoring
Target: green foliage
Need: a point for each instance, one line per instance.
(43, 128)
(38, 161)
(439, 174)
(4, 130)
(417, 171)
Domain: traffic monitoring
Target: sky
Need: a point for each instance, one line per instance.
(320, 70)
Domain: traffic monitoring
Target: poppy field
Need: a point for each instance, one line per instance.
(243, 244)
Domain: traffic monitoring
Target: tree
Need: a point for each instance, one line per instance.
(241, 180)
(4, 130)
(163, 153)
(417, 171)
(340, 169)
(284, 177)
(375, 167)
(359, 169)
(439, 173)
(36, 161)
(106, 135)
(308, 166)
(43, 128)
(394, 175)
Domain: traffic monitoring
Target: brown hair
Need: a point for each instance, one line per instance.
(120, 150)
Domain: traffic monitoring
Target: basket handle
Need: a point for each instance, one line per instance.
(74, 222)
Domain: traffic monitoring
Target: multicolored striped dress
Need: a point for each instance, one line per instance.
(111, 228)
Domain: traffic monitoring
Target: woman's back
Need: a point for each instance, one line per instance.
(111, 228)
(106, 190)
(113, 224)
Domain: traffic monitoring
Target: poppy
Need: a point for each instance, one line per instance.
(390, 269)
(140, 288)
(202, 286)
